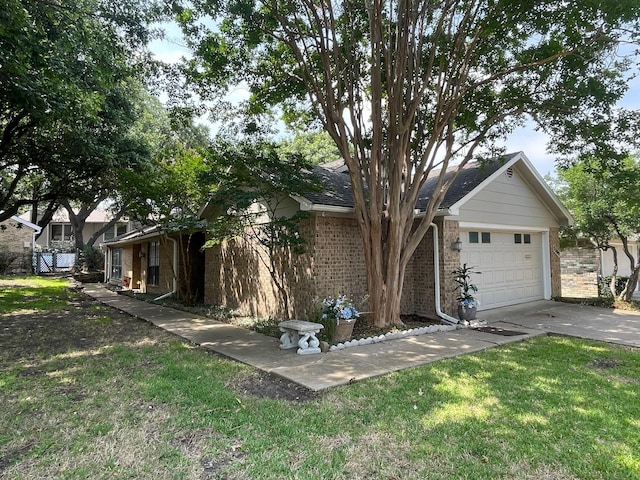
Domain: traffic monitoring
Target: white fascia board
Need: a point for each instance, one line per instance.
(331, 209)
(26, 223)
(202, 210)
(144, 235)
(305, 205)
(496, 226)
(308, 206)
(441, 212)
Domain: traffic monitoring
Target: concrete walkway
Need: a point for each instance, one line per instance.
(318, 372)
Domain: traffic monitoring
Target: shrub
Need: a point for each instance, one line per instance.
(604, 282)
(7, 258)
(91, 259)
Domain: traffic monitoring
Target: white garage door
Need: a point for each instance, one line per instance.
(511, 266)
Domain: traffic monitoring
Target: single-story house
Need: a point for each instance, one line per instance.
(500, 217)
(17, 236)
(145, 260)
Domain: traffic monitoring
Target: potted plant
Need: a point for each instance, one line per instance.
(467, 303)
(339, 316)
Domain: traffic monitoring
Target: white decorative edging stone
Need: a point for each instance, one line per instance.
(396, 335)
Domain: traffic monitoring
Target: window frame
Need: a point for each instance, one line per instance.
(114, 231)
(64, 227)
(153, 263)
(116, 264)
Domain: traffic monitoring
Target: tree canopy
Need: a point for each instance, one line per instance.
(604, 198)
(316, 147)
(405, 89)
(254, 181)
(66, 83)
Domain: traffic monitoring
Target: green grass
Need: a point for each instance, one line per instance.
(151, 406)
(33, 293)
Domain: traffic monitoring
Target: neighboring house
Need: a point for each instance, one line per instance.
(145, 260)
(624, 267)
(60, 232)
(501, 218)
(17, 236)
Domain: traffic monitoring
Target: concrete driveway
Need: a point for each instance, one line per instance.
(615, 326)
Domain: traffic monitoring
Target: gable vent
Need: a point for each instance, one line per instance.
(509, 172)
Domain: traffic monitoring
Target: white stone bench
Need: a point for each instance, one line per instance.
(301, 334)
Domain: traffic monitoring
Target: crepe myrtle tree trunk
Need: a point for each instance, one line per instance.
(385, 278)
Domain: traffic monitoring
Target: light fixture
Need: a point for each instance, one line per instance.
(456, 245)
(141, 254)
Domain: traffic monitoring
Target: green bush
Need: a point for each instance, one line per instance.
(90, 259)
(604, 282)
(7, 258)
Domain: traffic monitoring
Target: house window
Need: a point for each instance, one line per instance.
(153, 267)
(61, 232)
(474, 237)
(116, 264)
(517, 238)
(115, 231)
(486, 237)
(527, 238)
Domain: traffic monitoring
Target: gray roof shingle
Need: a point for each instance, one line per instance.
(338, 191)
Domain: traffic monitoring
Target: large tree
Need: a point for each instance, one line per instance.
(65, 90)
(169, 191)
(409, 88)
(604, 198)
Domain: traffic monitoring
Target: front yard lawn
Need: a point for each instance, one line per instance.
(87, 392)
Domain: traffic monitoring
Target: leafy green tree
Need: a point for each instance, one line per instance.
(169, 191)
(65, 90)
(604, 199)
(407, 89)
(251, 204)
(316, 147)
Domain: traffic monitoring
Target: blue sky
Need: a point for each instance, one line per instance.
(526, 139)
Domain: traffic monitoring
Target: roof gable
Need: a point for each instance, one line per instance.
(26, 223)
(472, 178)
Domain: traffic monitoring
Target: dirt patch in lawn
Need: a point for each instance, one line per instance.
(265, 385)
(87, 325)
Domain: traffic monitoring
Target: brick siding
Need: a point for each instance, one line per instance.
(333, 264)
(237, 277)
(338, 260)
(15, 238)
(580, 267)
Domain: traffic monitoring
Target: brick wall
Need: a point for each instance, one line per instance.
(237, 276)
(580, 267)
(338, 259)
(15, 239)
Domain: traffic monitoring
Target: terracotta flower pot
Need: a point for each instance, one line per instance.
(344, 330)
